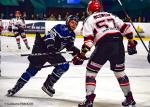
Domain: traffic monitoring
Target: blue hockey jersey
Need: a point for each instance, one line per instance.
(60, 37)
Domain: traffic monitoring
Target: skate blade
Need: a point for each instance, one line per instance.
(47, 92)
(130, 106)
(9, 95)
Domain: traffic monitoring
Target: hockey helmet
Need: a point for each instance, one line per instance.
(72, 17)
(72, 26)
(93, 6)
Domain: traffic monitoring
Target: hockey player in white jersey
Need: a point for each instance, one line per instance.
(17, 26)
(105, 31)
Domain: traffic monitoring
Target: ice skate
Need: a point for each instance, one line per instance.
(129, 101)
(27, 46)
(48, 86)
(48, 89)
(17, 87)
(88, 101)
(19, 46)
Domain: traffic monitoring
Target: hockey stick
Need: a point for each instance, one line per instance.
(45, 66)
(43, 54)
(125, 12)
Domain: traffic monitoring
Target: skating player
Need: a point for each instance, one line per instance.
(17, 25)
(60, 37)
(105, 30)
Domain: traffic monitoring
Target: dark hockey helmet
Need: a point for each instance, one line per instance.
(93, 6)
(72, 17)
(72, 26)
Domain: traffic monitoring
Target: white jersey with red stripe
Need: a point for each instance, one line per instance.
(100, 24)
(16, 23)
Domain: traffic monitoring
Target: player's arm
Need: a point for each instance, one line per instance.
(80, 57)
(49, 40)
(125, 29)
(71, 47)
(10, 25)
(88, 43)
(23, 25)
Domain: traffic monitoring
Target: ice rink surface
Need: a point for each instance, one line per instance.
(70, 89)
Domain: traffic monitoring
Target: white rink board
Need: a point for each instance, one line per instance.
(49, 24)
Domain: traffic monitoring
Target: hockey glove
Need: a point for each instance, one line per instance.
(10, 28)
(131, 48)
(74, 49)
(78, 59)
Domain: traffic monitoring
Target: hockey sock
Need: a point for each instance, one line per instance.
(59, 71)
(91, 73)
(90, 84)
(30, 72)
(18, 41)
(25, 41)
(123, 82)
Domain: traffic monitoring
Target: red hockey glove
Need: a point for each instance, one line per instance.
(78, 59)
(131, 48)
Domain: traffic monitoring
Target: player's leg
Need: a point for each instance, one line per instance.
(117, 65)
(36, 62)
(23, 35)
(35, 65)
(56, 74)
(125, 86)
(97, 60)
(17, 38)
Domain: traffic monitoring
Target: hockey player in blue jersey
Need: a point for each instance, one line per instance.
(60, 37)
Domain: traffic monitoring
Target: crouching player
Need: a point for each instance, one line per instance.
(60, 37)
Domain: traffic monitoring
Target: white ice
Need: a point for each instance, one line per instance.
(70, 89)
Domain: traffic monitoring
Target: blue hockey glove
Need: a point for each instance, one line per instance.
(131, 48)
(78, 59)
